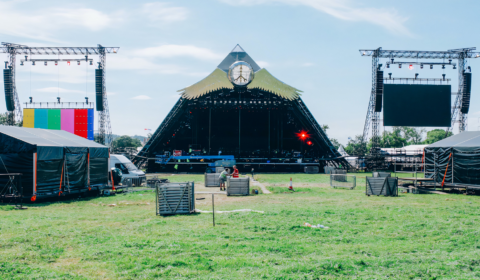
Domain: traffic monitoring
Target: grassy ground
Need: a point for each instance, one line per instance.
(407, 237)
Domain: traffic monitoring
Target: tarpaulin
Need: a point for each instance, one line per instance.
(76, 169)
(12, 145)
(49, 153)
(98, 171)
(463, 164)
(48, 175)
(98, 152)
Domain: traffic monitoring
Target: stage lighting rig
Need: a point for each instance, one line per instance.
(104, 127)
(373, 118)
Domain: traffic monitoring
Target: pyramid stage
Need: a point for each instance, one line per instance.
(242, 111)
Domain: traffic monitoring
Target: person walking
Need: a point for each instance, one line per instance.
(223, 179)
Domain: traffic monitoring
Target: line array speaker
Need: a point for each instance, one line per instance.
(99, 89)
(8, 85)
(379, 92)
(467, 88)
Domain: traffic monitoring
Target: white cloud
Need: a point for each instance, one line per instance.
(263, 64)
(164, 13)
(307, 64)
(342, 9)
(42, 23)
(168, 51)
(61, 90)
(141, 97)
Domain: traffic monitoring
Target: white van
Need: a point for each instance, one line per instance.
(129, 170)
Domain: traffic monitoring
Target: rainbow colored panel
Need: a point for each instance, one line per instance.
(41, 118)
(54, 119)
(77, 121)
(29, 118)
(91, 114)
(68, 120)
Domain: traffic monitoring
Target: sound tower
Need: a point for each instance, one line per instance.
(379, 92)
(8, 85)
(467, 88)
(99, 88)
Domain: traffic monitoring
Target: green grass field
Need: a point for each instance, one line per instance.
(406, 237)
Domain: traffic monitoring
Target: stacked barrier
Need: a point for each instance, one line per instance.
(175, 198)
(238, 186)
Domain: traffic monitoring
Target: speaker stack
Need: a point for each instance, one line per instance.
(379, 92)
(467, 88)
(8, 85)
(99, 89)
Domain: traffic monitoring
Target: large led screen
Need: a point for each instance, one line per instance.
(417, 105)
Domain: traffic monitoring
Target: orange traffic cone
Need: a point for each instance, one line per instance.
(290, 188)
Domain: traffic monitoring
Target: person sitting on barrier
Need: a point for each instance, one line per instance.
(235, 172)
(223, 179)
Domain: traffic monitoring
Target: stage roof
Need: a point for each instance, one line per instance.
(218, 79)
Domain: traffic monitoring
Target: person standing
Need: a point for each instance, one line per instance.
(235, 172)
(253, 178)
(223, 179)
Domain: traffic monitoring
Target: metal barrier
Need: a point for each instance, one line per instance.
(212, 180)
(175, 198)
(343, 181)
(381, 174)
(386, 186)
(311, 169)
(238, 186)
(11, 189)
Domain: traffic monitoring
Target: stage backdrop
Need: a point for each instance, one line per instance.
(76, 121)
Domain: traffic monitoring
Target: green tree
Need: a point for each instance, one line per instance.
(325, 127)
(3, 118)
(126, 141)
(393, 139)
(413, 135)
(335, 143)
(436, 135)
(356, 146)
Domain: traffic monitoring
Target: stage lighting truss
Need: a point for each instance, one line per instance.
(45, 61)
(410, 64)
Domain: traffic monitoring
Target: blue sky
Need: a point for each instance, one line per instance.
(165, 46)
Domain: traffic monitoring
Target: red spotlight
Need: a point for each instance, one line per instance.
(309, 143)
(303, 135)
(410, 67)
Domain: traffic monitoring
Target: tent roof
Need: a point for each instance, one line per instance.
(464, 139)
(47, 137)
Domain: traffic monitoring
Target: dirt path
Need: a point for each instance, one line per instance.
(260, 185)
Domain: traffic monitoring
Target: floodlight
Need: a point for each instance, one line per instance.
(388, 65)
(454, 67)
(78, 62)
(399, 65)
(443, 66)
(33, 63)
(431, 66)
(421, 66)
(21, 63)
(45, 63)
(91, 62)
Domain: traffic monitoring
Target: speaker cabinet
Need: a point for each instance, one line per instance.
(467, 88)
(99, 89)
(379, 92)
(8, 85)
